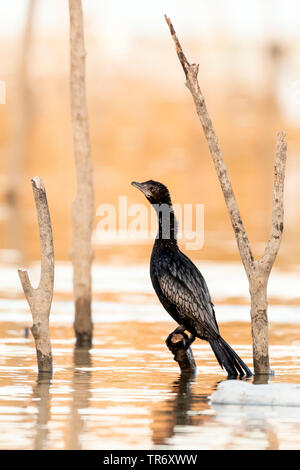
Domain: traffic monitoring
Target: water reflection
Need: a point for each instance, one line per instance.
(81, 394)
(127, 393)
(174, 412)
(253, 427)
(41, 394)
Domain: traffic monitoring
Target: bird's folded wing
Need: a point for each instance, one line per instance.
(186, 288)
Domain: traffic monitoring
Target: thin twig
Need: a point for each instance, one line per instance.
(191, 74)
(272, 247)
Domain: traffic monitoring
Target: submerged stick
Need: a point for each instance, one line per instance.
(176, 343)
(40, 299)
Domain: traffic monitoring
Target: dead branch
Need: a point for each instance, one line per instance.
(40, 299)
(191, 73)
(176, 343)
(272, 247)
(83, 205)
(257, 271)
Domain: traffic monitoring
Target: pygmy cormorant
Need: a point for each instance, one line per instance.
(180, 286)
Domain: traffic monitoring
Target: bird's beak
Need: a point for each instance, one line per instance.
(140, 186)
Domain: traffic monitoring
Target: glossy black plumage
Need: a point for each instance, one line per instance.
(180, 286)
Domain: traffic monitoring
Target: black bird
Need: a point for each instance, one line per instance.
(180, 286)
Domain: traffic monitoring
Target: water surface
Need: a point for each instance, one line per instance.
(126, 392)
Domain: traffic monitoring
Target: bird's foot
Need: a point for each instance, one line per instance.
(232, 376)
(189, 341)
(168, 340)
(179, 330)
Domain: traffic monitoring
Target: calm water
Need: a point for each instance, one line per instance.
(126, 392)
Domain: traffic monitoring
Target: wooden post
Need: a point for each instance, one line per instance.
(83, 205)
(257, 271)
(40, 299)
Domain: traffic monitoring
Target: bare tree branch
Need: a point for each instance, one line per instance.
(83, 205)
(40, 299)
(257, 271)
(272, 247)
(191, 74)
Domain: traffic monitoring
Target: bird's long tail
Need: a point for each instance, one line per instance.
(228, 358)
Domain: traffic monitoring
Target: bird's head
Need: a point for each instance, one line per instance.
(155, 192)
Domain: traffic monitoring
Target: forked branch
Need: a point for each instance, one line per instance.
(272, 247)
(40, 299)
(257, 271)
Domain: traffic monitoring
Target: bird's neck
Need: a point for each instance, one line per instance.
(167, 223)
